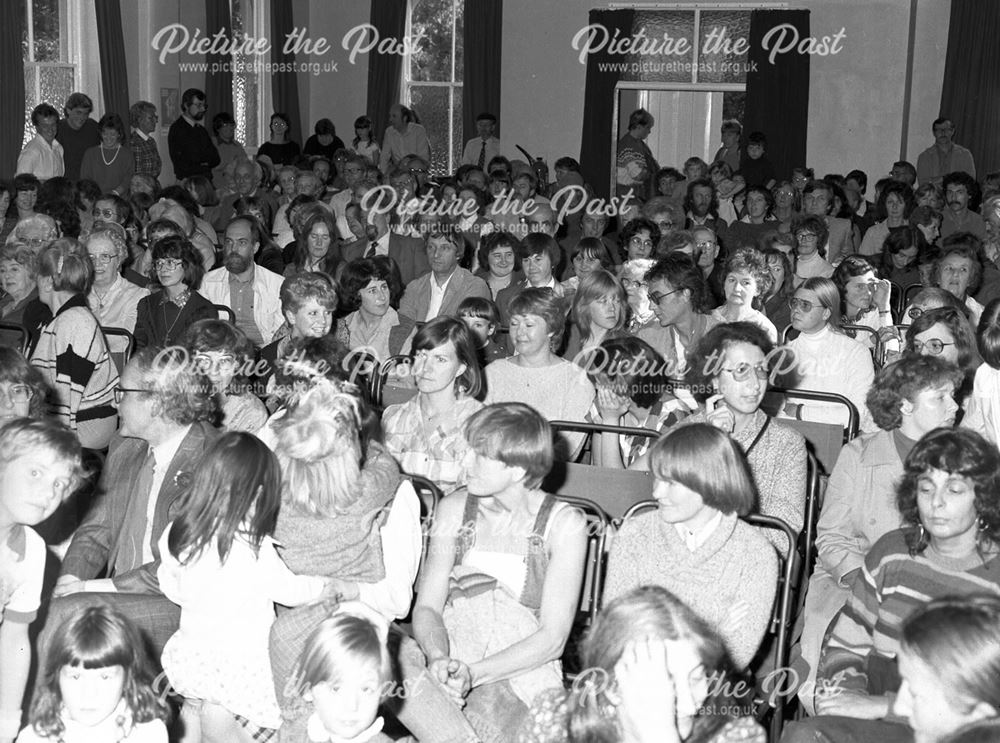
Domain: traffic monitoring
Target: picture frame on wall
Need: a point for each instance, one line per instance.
(170, 108)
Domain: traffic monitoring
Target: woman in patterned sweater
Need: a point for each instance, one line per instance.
(72, 353)
(949, 498)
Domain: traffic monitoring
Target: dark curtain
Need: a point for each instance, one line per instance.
(218, 85)
(596, 147)
(385, 71)
(111, 47)
(778, 94)
(971, 94)
(11, 85)
(284, 85)
(481, 39)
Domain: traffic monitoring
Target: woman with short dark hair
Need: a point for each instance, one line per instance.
(111, 163)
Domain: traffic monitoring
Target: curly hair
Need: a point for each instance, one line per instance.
(817, 226)
(633, 228)
(184, 394)
(957, 451)
(631, 367)
(964, 245)
(357, 275)
(904, 380)
(96, 637)
(787, 287)
(180, 248)
(682, 273)
(705, 358)
(751, 261)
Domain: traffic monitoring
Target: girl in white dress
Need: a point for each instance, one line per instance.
(219, 563)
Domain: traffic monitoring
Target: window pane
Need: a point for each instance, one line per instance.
(719, 30)
(431, 21)
(431, 105)
(456, 122)
(245, 84)
(45, 23)
(657, 25)
(56, 86)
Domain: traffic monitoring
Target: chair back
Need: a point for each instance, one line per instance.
(615, 491)
(598, 524)
(591, 428)
(15, 335)
(121, 343)
(225, 312)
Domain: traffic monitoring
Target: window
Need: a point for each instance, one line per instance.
(251, 86)
(432, 77)
(49, 75)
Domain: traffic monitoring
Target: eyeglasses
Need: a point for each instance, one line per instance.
(638, 242)
(914, 312)
(705, 244)
(934, 346)
(102, 259)
(743, 372)
(631, 284)
(167, 264)
(16, 393)
(657, 297)
(805, 236)
(805, 305)
(111, 214)
(224, 362)
(120, 393)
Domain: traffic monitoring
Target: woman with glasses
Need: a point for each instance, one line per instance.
(598, 313)
(110, 164)
(729, 372)
(695, 545)
(279, 147)
(163, 317)
(113, 299)
(811, 234)
(947, 334)
(224, 354)
(947, 546)
(786, 205)
(747, 279)
(908, 399)
(823, 359)
(71, 351)
(372, 325)
(23, 390)
(639, 239)
(315, 248)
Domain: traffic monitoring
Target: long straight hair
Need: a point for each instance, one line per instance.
(237, 474)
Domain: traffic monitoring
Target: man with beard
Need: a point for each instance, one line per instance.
(961, 195)
(191, 148)
(701, 206)
(250, 291)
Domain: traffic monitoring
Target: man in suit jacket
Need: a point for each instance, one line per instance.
(165, 407)
(408, 252)
(817, 199)
(443, 289)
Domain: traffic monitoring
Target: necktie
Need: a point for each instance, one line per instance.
(482, 156)
(370, 253)
(130, 550)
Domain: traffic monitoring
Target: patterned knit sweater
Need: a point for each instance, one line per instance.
(891, 587)
(73, 356)
(735, 564)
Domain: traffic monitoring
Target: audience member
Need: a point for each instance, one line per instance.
(598, 312)
(372, 324)
(192, 151)
(21, 304)
(308, 301)
(817, 201)
(440, 292)
(145, 151)
(781, 289)
(944, 156)
(482, 318)
(110, 164)
(677, 293)
(404, 136)
(635, 165)
(324, 140)
(695, 543)
(163, 317)
(747, 279)
(525, 550)
(43, 155)
(425, 434)
(364, 143)
(77, 132)
(895, 204)
(962, 194)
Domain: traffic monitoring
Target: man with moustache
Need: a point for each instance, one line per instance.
(191, 148)
(251, 291)
(961, 194)
(944, 156)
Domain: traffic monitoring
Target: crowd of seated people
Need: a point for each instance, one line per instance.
(219, 388)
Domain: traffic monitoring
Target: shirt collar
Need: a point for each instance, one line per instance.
(163, 452)
(317, 733)
(190, 121)
(141, 134)
(17, 541)
(248, 280)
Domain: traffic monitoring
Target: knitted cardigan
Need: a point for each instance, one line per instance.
(735, 564)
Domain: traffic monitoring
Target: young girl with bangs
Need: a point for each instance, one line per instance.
(97, 685)
(220, 564)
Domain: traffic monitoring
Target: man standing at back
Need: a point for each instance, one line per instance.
(636, 166)
(481, 149)
(191, 148)
(944, 156)
(77, 133)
